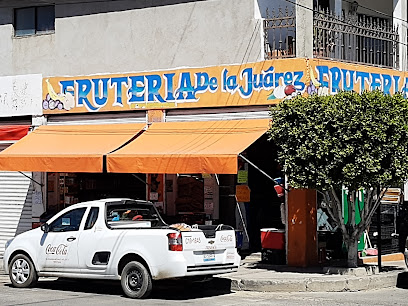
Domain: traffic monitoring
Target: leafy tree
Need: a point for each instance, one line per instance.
(348, 139)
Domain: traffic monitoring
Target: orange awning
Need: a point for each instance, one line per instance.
(188, 147)
(68, 148)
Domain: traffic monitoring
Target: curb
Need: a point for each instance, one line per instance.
(320, 284)
(384, 258)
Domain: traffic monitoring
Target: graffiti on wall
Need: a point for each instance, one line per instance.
(261, 83)
(20, 95)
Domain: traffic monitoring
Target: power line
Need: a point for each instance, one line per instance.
(378, 12)
(329, 15)
(106, 1)
(46, 2)
(324, 13)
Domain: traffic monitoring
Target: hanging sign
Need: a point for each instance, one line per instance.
(243, 193)
(242, 176)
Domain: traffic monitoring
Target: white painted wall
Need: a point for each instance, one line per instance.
(376, 7)
(20, 95)
(195, 33)
(399, 15)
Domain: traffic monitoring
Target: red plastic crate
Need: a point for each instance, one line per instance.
(272, 238)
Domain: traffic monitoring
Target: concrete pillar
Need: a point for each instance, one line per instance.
(304, 28)
(301, 228)
(337, 7)
(399, 14)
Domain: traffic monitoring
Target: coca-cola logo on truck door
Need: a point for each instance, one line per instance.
(61, 249)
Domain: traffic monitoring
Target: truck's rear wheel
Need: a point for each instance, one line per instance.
(136, 280)
(406, 257)
(22, 272)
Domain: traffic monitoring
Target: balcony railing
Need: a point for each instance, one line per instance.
(351, 37)
(280, 33)
(355, 38)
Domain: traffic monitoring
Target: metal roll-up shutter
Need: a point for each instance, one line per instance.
(137, 117)
(3, 146)
(15, 203)
(216, 114)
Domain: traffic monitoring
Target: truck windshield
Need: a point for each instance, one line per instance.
(133, 212)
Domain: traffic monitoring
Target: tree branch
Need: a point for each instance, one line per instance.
(367, 203)
(340, 214)
(327, 200)
(360, 229)
(352, 211)
(377, 203)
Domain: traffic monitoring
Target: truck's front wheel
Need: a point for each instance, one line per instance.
(136, 280)
(22, 272)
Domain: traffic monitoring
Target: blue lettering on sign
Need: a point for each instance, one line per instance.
(101, 97)
(184, 86)
(202, 82)
(153, 86)
(387, 82)
(404, 90)
(169, 88)
(84, 88)
(323, 72)
(269, 78)
(277, 77)
(375, 81)
(344, 79)
(68, 86)
(117, 84)
(246, 75)
(299, 85)
(257, 81)
(229, 83)
(348, 75)
(213, 84)
(335, 79)
(288, 78)
(396, 82)
(185, 90)
(150, 88)
(363, 76)
(137, 89)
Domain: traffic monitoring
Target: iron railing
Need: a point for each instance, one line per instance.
(280, 33)
(349, 37)
(355, 38)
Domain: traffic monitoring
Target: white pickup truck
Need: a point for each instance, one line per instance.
(119, 239)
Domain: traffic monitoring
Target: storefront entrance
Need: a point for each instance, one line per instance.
(264, 210)
(64, 189)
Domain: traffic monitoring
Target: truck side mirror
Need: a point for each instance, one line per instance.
(45, 228)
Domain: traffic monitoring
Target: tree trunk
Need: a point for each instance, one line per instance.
(352, 253)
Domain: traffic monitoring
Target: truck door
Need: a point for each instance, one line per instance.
(94, 249)
(59, 247)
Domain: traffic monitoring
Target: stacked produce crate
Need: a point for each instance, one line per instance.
(389, 210)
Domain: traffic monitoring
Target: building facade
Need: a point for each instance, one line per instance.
(184, 62)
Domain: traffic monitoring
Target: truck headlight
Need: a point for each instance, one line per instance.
(8, 243)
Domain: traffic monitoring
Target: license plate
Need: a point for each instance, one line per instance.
(209, 256)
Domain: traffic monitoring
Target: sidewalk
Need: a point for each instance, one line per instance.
(253, 275)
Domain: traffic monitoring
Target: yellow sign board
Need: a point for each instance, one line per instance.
(260, 83)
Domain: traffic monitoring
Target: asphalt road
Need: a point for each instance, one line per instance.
(67, 292)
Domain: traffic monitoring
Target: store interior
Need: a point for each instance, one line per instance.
(187, 198)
